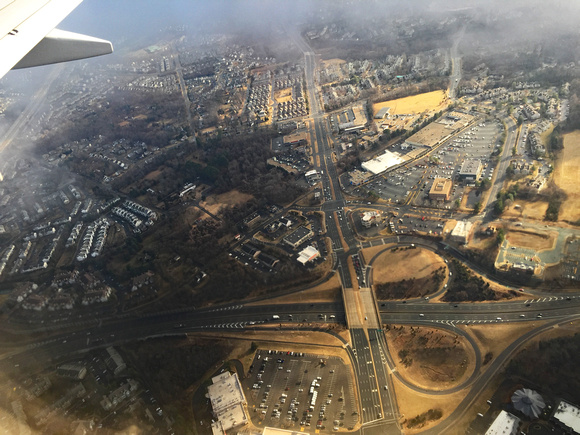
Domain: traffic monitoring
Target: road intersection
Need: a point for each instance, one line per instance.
(367, 348)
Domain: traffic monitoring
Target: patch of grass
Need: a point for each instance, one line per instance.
(553, 209)
(421, 419)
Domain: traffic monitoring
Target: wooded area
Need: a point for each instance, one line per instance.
(554, 361)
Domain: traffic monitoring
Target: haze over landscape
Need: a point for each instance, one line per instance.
(265, 217)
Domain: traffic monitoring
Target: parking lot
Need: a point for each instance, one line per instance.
(294, 390)
(477, 142)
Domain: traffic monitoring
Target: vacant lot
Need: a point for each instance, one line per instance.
(431, 101)
(529, 210)
(328, 291)
(431, 358)
(405, 263)
(492, 339)
(537, 240)
(215, 202)
(412, 404)
(332, 62)
(283, 95)
(566, 176)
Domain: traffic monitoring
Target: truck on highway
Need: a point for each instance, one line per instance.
(275, 317)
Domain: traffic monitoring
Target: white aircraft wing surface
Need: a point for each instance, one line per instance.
(28, 36)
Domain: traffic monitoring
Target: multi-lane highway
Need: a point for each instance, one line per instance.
(344, 245)
(368, 350)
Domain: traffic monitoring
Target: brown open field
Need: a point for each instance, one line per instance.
(411, 403)
(538, 240)
(529, 210)
(233, 197)
(495, 338)
(404, 264)
(430, 358)
(328, 291)
(332, 62)
(369, 253)
(430, 101)
(567, 175)
(283, 95)
(153, 175)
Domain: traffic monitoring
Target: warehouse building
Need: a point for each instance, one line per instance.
(382, 113)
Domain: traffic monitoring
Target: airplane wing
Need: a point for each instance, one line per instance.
(28, 36)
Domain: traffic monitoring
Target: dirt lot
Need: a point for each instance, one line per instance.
(213, 203)
(430, 358)
(537, 240)
(404, 264)
(567, 174)
(431, 101)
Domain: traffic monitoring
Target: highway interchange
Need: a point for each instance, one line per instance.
(367, 348)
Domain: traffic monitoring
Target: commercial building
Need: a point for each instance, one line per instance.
(228, 402)
(441, 189)
(251, 250)
(312, 176)
(114, 361)
(470, 170)
(298, 237)
(528, 402)
(439, 131)
(382, 113)
(369, 218)
(567, 417)
(504, 424)
(308, 254)
(461, 231)
(383, 162)
(348, 120)
(72, 371)
(300, 138)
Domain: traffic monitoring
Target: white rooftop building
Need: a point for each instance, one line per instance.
(228, 402)
(461, 231)
(504, 424)
(383, 162)
(308, 254)
(568, 415)
(369, 218)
